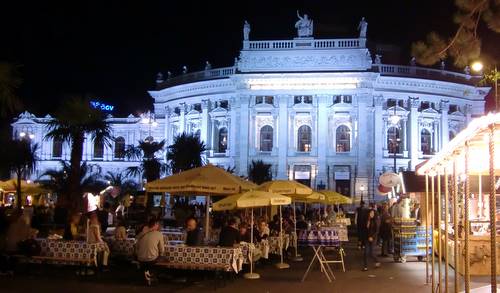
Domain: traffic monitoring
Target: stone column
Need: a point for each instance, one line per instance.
(362, 140)
(404, 141)
(233, 128)
(205, 108)
(282, 137)
(378, 131)
(322, 137)
(468, 114)
(414, 133)
(182, 118)
(166, 126)
(444, 122)
(244, 134)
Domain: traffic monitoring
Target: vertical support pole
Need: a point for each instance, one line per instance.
(493, 233)
(207, 217)
(432, 234)
(446, 220)
(466, 220)
(440, 249)
(455, 225)
(426, 228)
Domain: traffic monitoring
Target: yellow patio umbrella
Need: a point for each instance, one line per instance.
(333, 197)
(251, 199)
(296, 191)
(26, 186)
(314, 197)
(208, 180)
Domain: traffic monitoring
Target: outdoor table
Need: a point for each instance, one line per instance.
(198, 257)
(124, 247)
(262, 247)
(274, 244)
(70, 250)
(318, 240)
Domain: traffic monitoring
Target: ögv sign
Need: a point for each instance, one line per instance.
(102, 106)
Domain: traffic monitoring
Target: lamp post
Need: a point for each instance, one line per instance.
(395, 119)
(491, 77)
(362, 189)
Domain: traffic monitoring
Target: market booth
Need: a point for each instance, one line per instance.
(462, 192)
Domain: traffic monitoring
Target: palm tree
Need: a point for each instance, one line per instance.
(119, 180)
(185, 153)
(9, 83)
(259, 172)
(76, 120)
(151, 166)
(59, 183)
(20, 156)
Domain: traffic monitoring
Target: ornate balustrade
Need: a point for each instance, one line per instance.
(305, 43)
(199, 75)
(421, 72)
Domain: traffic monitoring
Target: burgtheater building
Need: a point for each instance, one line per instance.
(326, 112)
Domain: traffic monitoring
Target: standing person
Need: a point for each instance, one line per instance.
(360, 221)
(369, 236)
(150, 247)
(194, 235)
(103, 216)
(385, 230)
(416, 214)
(229, 235)
(94, 236)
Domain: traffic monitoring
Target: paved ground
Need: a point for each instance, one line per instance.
(390, 278)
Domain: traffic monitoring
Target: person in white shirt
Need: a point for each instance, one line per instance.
(150, 246)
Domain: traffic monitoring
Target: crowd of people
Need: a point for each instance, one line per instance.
(374, 228)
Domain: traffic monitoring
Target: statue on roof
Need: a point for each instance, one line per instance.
(362, 28)
(246, 31)
(208, 66)
(304, 26)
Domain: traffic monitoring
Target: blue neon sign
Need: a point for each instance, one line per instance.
(102, 106)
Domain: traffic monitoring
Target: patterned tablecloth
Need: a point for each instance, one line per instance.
(274, 244)
(174, 236)
(260, 250)
(64, 249)
(328, 237)
(341, 231)
(186, 256)
(127, 247)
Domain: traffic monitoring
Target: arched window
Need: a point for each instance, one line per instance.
(394, 143)
(425, 142)
(266, 138)
(119, 147)
(222, 140)
(98, 150)
(343, 139)
(304, 139)
(57, 148)
(451, 135)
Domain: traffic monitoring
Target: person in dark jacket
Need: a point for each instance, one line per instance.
(385, 230)
(360, 220)
(194, 235)
(369, 237)
(229, 235)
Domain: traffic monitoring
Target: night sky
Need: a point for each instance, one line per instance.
(113, 49)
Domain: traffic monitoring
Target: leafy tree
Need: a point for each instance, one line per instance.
(185, 153)
(76, 120)
(9, 83)
(151, 166)
(20, 157)
(465, 44)
(259, 172)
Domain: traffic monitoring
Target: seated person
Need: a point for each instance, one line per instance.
(71, 229)
(244, 232)
(274, 225)
(149, 248)
(229, 235)
(194, 236)
(19, 231)
(262, 231)
(120, 231)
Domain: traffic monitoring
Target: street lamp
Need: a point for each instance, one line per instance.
(149, 119)
(394, 119)
(491, 77)
(362, 189)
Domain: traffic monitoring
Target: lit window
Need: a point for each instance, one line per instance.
(343, 139)
(98, 149)
(425, 142)
(266, 139)
(57, 147)
(304, 139)
(119, 147)
(222, 140)
(394, 140)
